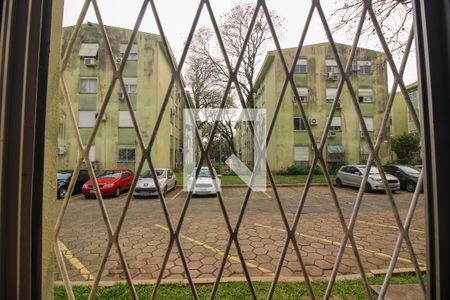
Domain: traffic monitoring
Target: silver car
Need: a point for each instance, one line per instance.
(352, 176)
(145, 185)
(204, 184)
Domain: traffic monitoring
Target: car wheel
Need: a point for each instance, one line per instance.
(410, 186)
(174, 186)
(117, 192)
(368, 188)
(62, 192)
(338, 182)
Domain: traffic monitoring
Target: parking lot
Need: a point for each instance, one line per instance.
(144, 236)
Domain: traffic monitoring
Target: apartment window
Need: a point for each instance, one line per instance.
(130, 85)
(369, 124)
(335, 124)
(331, 66)
(365, 96)
(331, 94)
(301, 153)
(86, 118)
(88, 50)
(133, 56)
(303, 94)
(91, 154)
(126, 154)
(301, 67)
(88, 85)
(299, 124)
(125, 120)
(364, 67)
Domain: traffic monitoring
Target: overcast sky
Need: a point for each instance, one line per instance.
(177, 17)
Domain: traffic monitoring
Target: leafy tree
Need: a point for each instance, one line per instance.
(406, 146)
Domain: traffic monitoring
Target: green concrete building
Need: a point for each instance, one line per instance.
(402, 120)
(147, 76)
(317, 77)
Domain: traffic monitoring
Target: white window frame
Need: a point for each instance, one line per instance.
(125, 120)
(300, 122)
(303, 94)
(332, 65)
(336, 124)
(301, 63)
(133, 55)
(330, 94)
(86, 118)
(89, 79)
(365, 95)
(130, 85)
(301, 153)
(126, 148)
(369, 124)
(362, 65)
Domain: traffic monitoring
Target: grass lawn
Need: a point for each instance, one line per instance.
(281, 179)
(344, 289)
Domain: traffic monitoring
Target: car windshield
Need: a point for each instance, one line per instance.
(373, 170)
(64, 176)
(203, 173)
(148, 174)
(409, 170)
(110, 174)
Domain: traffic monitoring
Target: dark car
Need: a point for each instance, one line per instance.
(64, 177)
(408, 176)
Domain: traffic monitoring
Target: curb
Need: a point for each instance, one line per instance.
(228, 186)
(371, 273)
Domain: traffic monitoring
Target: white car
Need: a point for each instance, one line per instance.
(352, 176)
(145, 185)
(204, 184)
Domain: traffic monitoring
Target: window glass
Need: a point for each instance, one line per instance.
(299, 124)
(88, 85)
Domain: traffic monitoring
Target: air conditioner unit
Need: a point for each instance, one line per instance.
(339, 104)
(90, 61)
(121, 96)
(61, 150)
(313, 121)
(118, 60)
(332, 134)
(363, 136)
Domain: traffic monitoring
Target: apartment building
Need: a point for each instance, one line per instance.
(146, 75)
(316, 78)
(402, 118)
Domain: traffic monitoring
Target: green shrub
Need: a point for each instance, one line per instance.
(334, 167)
(406, 147)
(302, 169)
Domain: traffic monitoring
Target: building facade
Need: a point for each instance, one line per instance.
(317, 77)
(147, 75)
(402, 119)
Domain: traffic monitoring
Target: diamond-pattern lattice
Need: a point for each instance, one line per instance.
(318, 148)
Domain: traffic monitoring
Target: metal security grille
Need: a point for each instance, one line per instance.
(348, 239)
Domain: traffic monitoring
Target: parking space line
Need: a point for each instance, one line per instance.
(217, 251)
(176, 195)
(268, 196)
(77, 197)
(75, 262)
(360, 248)
(389, 226)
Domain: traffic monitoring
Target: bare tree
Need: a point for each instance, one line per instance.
(394, 17)
(207, 73)
(233, 26)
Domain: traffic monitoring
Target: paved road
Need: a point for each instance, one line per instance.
(144, 236)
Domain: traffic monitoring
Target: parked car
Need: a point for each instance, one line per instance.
(352, 175)
(146, 185)
(64, 177)
(407, 175)
(204, 184)
(111, 182)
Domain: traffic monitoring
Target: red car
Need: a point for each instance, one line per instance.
(111, 182)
